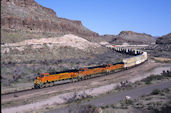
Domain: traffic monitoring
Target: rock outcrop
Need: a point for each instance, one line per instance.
(29, 15)
(162, 48)
(166, 39)
(131, 37)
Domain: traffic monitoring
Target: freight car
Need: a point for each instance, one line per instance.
(49, 79)
(134, 61)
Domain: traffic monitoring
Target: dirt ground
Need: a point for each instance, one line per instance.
(94, 87)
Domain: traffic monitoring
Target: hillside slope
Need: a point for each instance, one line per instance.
(131, 37)
(28, 15)
(34, 39)
(166, 39)
(21, 61)
(162, 48)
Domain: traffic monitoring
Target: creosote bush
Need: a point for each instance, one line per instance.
(155, 92)
(163, 75)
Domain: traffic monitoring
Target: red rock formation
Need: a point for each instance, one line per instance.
(29, 15)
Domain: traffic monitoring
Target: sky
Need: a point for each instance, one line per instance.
(113, 16)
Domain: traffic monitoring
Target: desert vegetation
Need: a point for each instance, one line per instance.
(163, 75)
(156, 102)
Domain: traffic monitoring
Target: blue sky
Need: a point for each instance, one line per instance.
(112, 16)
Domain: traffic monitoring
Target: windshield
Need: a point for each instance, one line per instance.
(40, 75)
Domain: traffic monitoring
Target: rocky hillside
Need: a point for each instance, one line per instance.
(35, 40)
(23, 60)
(162, 48)
(29, 15)
(131, 37)
(26, 19)
(166, 39)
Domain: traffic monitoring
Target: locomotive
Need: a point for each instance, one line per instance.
(49, 79)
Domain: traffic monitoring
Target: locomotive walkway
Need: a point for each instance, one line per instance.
(116, 97)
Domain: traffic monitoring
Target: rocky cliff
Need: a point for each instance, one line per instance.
(29, 15)
(166, 39)
(132, 38)
(162, 48)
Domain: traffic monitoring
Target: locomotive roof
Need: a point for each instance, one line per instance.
(104, 65)
(118, 63)
(76, 70)
(66, 71)
(96, 66)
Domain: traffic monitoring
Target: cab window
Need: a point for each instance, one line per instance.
(41, 76)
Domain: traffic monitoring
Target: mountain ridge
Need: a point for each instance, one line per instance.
(130, 37)
(165, 39)
(29, 15)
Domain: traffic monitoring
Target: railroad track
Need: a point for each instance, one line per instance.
(56, 86)
(28, 91)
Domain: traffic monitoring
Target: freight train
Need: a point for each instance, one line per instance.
(49, 79)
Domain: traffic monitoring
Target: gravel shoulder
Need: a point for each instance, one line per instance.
(114, 98)
(134, 93)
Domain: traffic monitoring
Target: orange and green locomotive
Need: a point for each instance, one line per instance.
(46, 79)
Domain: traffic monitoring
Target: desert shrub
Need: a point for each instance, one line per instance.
(147, 82)
(103, 107)
(129, 102)
(151, 78)
(123, 105)
(113, 106)
(155, 92)
(157, 77)
(149, 98)
(166, 73)
(166, 90)
(107, 106)
(138, 105)
(83, 109)
(163, 109)
(148, 79)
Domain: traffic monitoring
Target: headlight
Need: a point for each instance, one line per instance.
(37, 81)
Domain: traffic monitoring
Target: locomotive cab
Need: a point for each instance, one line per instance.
(38, 81)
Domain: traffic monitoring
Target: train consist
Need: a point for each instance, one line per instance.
(49, 79)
